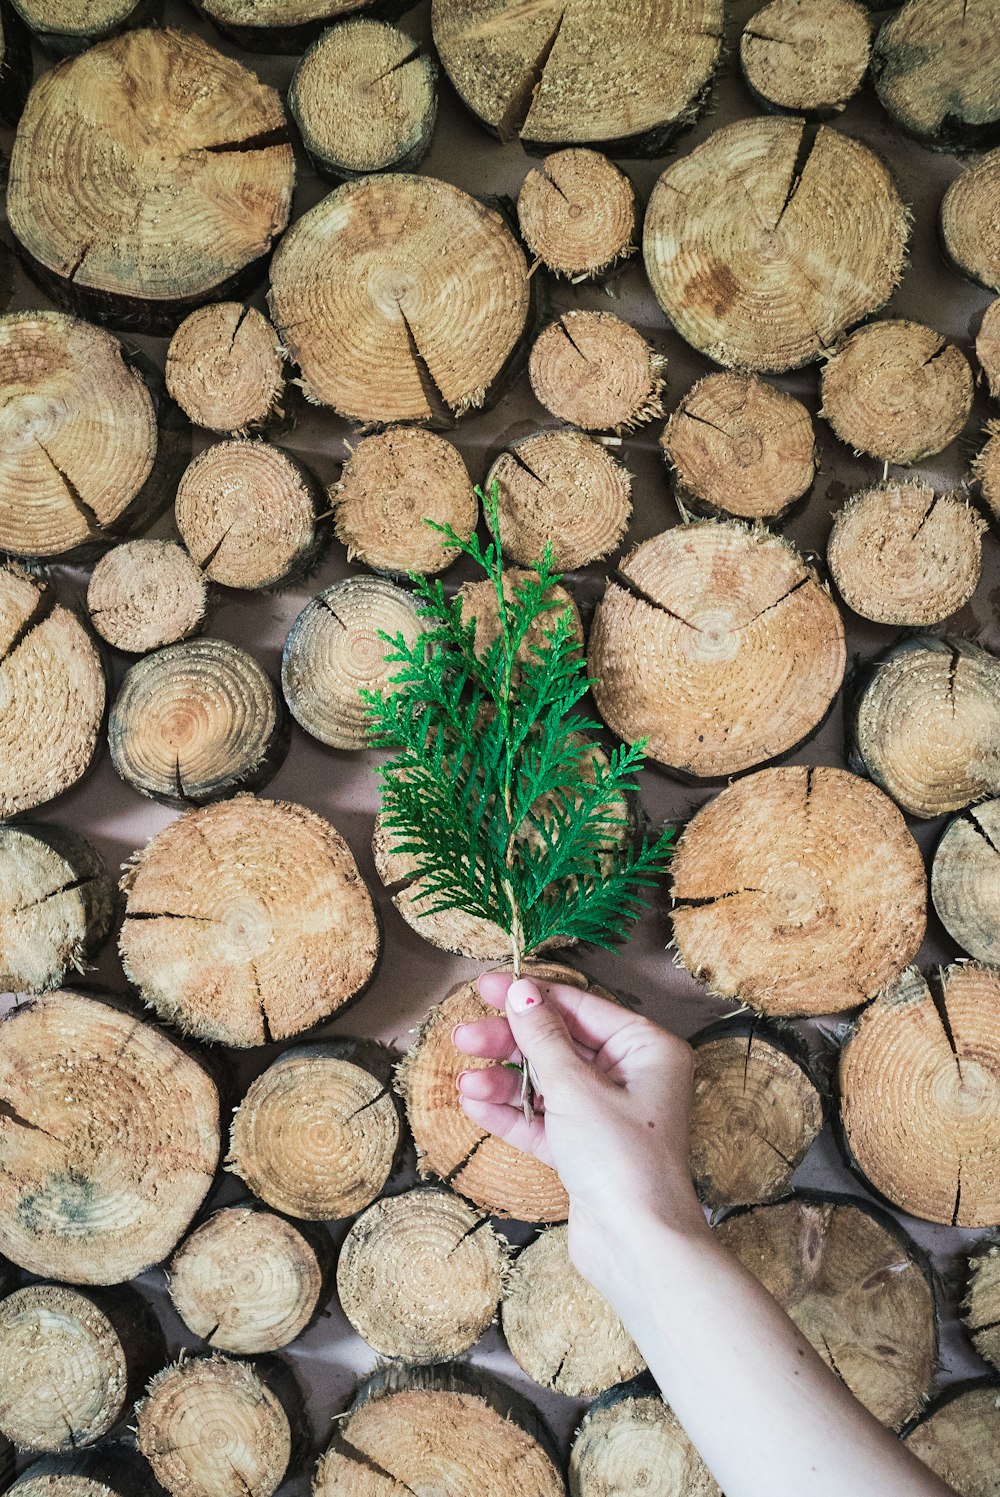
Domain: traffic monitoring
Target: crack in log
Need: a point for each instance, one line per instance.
(86, 511)
(554, 1379)
(396, 66)
(522, 98)
(32, 904)
(241, 319)
(832, 1358)
(265, 1021)
(469, 1232)
(941, 349)
(325, 603)
(437, 401)
(925, 517)
(793, 589)
(206, 561)
(958, 1197)
(74, 269)
(775, 1150)
(168, 915)
(42, 607)
(178, 782)
(749, 1050)
(264, 140)
(568, 335)
(973, 820)
(462, 1164)
(512, 452)
(704, 421)
(953, 664)
(10, 1114)
(372, 1101)
(628, 585)
(700, 901)
(810, 774)
(937, 994)
(803, 151)
(342, 1445)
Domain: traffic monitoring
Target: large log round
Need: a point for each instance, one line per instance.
(936, 66)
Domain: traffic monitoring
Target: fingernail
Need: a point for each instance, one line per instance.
(522, 995)
(460, 1078)
(455, 1032)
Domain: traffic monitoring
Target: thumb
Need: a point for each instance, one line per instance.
(541, 1036)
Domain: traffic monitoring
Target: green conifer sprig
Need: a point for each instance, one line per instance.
(494, 788)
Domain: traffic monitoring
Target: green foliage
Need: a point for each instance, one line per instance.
(495, 789)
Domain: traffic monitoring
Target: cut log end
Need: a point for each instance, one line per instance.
(589, 73)
(965, 881)
(334, 650)
(981, 1306)
(798, 891)
(282, 26)
(145, 594)
(197, 722)
(559, 1329)
(392, 484)
(739, 447)
(114, 1141)
(565, 488)
(64, 27)
(577, 214)
(630, 1441)
(420, 1275)
(211, 187)
(248, 921)
(111, 1470)
(365, 99)
(897, 390)
(727, 269)
(57, 901)
(852, 1284)
(755, 1113)
(247, 1281)
(959, 1438)
(901, 554)
(596, 372)
(969, 229)
(78, 437)
(53, 688)
(317, 1134)
(491, 1173)
(920, 1095)
(211, 1424)
(988, 348)
(986, 469)
(718, 645)
(411, 1429)
(363, 292)
(806, 56)
(247, 512)
(226, 368)
(927, 724)
(936, 66)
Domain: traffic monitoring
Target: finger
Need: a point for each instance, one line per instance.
(590, 1020)
(543, 1039)
(493, 1084)
(510, 1124)
(490, 1038)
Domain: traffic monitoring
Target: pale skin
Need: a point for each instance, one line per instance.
(768, 1416)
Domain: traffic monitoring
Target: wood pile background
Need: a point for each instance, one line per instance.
(327, 772)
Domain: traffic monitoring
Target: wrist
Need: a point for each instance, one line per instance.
(638, 1245)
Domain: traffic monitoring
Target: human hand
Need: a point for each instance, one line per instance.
(611, 1116)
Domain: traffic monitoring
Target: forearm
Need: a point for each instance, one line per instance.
(768, 1416)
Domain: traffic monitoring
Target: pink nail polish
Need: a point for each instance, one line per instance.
(460, 1078)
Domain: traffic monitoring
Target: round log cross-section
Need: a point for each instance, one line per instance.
(170, 216)
(719, 645)
(969, 225)
(248, 921)
(936, 66)
(112, 1143)
(981, 1306)
(576, 212)
(596, 372)
(144, 594)
(806, 56)
(226, 368)
(798, 891)
(988, 348)
(57, 901)
(400, 298)
(753, 243)
(965, 881)
(629, 1441)
(853, 1285)
(958, 1437)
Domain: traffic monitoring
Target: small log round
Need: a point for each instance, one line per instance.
(210, 187)
(247, 513)
(753, 244)
(739, 447)
(78, 437)
(559, 1329)
(283, 26)
(719, 645)
(392, 484)
(400, 298)
(65, 27)
(965, 881)
(16, 68)
(988, 349)
(318, 1132)
(334, 650)
(112, 1470)
(226, 368)
(52, 688)
(901, 554)
(630, 75)
(479, 602)
(56, 905)
(71, 1363)
(798, 891)
(594, 371)
(920, 1095)
(969, 228)
(806, 57)
(365, 100)
(958, 1437)
(247, 1281)
(113, 1140)
(936, 66)
(214, 1427)
(980, 1308)
(986, 468)
(197, 722)
(896, 390)
(420, 1275)
(145, 594)
(755, 1112)
(247, 922)
(563, 487)
(488, 1171)
(630, 1441)
(577, 215)
(927, 724)
(852, 1283)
